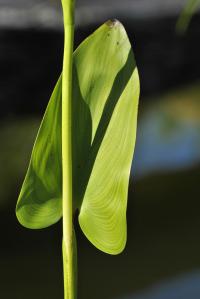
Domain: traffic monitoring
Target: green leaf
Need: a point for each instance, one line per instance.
(104, 117)
(109, 86)
(40, 201)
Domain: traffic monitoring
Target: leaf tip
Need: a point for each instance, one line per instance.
(112, 23)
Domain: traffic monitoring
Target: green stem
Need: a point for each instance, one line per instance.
(68, 239)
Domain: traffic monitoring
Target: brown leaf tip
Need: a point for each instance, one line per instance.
(113, 22)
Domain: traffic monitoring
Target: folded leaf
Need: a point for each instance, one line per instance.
(109, 86)
(104, 117)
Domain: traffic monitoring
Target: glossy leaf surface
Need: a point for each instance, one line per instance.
(104, 115)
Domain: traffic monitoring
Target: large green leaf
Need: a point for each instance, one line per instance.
(109, 85)
(104, 115)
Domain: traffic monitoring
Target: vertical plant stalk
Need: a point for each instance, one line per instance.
(68, 238)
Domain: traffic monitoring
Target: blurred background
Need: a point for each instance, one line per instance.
(162, 257)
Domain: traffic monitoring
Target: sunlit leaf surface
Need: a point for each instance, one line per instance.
(104, 115)
(109, 86)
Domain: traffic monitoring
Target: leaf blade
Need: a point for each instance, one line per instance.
(104, 191)
(39, 204)
(104, 110)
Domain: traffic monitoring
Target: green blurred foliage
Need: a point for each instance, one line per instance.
(186, 15)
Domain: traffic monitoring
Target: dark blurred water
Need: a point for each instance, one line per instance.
(31, 61)
(181, 287)
(168, 136)
(31, 43)
(163, 209)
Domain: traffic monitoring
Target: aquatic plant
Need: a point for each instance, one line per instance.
(82, 155)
